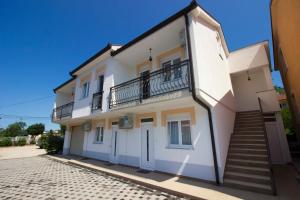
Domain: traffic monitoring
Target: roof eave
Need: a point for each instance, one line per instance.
(162, 24)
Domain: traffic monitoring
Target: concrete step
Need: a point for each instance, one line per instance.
(249, 114)
(248, 163)
(261, 132)
(247, 146)
(247, 128)
(249, 111)
(248, 151)
(244, 136)
(255, 157)
(247, 141)
(239, 176)
(250, 125)
(249, 170)
(254, 187)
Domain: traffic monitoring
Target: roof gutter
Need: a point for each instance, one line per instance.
(200, 102)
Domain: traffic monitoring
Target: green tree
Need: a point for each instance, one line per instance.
(62, 130)
(287, 120)
(15, 129)
(36, 129)
(279, 89)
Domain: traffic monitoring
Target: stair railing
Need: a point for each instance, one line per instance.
(268, 149)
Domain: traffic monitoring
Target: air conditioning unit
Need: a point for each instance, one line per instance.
(87, 126)
(126, 122)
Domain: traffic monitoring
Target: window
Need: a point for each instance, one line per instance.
(85, 90)
(99, 135)
(167, 70)
(100, 83)
(180, 133)
(172, 69)
(177, 68)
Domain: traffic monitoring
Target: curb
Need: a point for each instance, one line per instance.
(142, 183)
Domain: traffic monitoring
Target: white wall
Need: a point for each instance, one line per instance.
(245, 91)
(196, 162)
(213, 83)
(248, 58)
(62, 98)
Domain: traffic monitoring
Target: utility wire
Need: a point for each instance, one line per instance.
(22, 117)
(25, 102)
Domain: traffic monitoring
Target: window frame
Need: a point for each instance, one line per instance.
(101, 135)
(179, 124)
(85, 90)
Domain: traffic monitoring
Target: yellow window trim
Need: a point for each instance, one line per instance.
(143, 116)
(101, 122)
(166, 113)
(111, 120)
(143, 64)
(168, 53)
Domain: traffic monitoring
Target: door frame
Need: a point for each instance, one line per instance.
(114, 156)
(142, 166)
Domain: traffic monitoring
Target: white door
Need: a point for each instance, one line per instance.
(147, 146)
(114, 145)
(77, 139)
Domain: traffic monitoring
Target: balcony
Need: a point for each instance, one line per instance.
(62, 111)
(97, 101)
(164, 81)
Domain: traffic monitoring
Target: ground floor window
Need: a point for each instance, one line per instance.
(179, 133)
(99, 134)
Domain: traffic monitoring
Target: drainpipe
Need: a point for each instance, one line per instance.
(200, 102)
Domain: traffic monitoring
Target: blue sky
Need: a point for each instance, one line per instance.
(41, 41)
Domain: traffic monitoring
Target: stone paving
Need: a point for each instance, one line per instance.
(42, 178)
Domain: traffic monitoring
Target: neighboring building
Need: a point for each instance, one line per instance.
(170, 99)
(282, 100)
(285, 16)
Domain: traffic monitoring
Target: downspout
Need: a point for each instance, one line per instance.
(200, 102)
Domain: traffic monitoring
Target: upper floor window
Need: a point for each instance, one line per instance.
(179, 132)
(100, 83)
(170, 73)
(85, 90)
(99, 134)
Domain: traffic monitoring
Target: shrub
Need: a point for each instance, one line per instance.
(42, 141)
(21, 142)
(54, 144)
(5, 142)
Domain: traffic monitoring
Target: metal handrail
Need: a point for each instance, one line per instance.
(169, 79)
(63, 111)
(268, 149)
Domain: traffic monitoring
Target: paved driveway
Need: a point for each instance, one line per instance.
(42, 178)
(20, 152)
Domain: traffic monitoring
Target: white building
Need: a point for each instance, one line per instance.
(175, 100)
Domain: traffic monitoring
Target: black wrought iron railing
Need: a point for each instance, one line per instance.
(62, 111)
(97, 101)
(168, 79)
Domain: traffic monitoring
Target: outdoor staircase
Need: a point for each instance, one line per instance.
(248, 161)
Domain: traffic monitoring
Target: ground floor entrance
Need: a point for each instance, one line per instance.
(77, 139)
(147, 146)
(114, 157)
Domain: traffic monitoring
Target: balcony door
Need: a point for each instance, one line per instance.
(145, 84)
